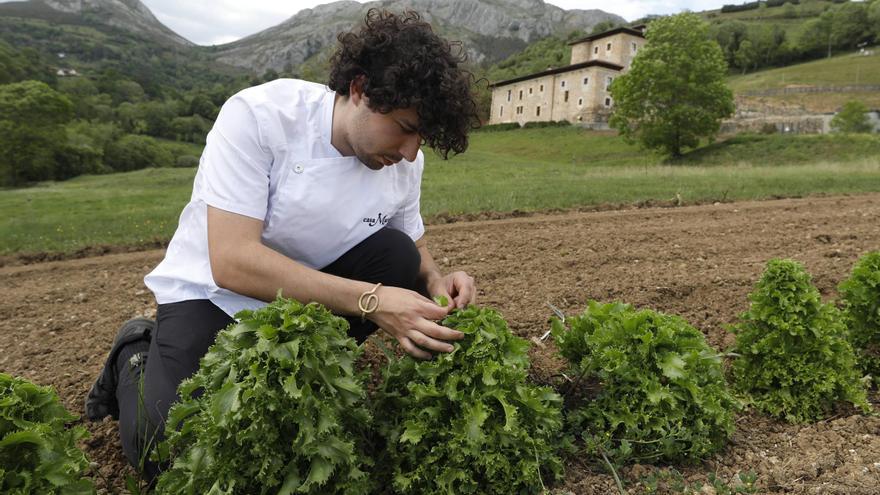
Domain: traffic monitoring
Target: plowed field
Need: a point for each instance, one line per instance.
(58, 318)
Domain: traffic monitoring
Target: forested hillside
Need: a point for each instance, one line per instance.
(80, 96)
(753, 35)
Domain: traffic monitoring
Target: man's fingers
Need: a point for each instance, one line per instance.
(425, 342)
(436, 331)
(467, 293)
(412, 350)
(434, 311)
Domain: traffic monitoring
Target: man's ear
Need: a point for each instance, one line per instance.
(356, 89)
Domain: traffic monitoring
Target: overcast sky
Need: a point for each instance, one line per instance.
(213, 22)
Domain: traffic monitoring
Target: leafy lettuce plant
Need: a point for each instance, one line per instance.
(795, 361)
(282, 410)
(38, 454)
(658, 390)
(861, 308)
(468, 421)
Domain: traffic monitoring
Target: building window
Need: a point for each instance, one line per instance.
(501, 113)
(608, 81)
(580, 102)
(586, 80)
(566, 96)
(607, 101)
(538, 112)
(608, 47)
(595, 50)
(508, 94)
(541, 89)
(635, 47)
(530, 90)
(563, 84)
(520, 94)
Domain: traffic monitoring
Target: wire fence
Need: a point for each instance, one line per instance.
(861, 88)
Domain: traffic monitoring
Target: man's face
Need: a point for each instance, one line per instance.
(380, 140)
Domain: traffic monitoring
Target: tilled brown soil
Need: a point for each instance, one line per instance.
(700, 262)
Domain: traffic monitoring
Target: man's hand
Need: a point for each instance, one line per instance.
(458, 288)
(409, 317)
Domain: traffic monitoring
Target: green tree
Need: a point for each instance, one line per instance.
(850, 25)
(817, 35)
(82, 93)
(675, 91)
(853, 117)
(746, 56)
(873, 15)
(130, 118)
(202, 105)
(192, 129)
(730, 35)
(127, 91)
(32, 118)
(133, 152)
(20, 65)
(840, 27)
(603, 26)
(157, 116)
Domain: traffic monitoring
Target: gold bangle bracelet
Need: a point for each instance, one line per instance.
(369, 302)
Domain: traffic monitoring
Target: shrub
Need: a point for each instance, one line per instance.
(186, 161)
(768, 128)
(467, 421)
(73, 159)
(656, 389)
(861, 305)
(133, 152)
(547, 123)
(853, 117)
(282, 409)
(37, 453)
(509, 126)
(795, 361)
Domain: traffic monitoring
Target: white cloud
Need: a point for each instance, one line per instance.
(221, 21)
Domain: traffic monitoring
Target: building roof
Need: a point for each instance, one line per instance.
(559, 70)
(622, 29)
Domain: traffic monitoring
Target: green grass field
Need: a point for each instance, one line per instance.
(849, 69)
(841, 70)
(533, 169)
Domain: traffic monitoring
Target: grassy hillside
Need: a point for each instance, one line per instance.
(92, 49)
(842, 70)
(530, 169)
(791, 18)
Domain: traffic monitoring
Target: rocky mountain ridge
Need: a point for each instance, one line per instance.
(490, 30)
(128, 15)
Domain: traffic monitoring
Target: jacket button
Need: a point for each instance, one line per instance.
(298, 168)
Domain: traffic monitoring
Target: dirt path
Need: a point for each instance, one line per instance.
(699, 262)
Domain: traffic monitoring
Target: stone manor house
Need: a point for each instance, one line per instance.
(577, 92)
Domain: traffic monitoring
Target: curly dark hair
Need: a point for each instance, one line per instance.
(405, 64)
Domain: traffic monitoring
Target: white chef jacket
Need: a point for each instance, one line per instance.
(269, 157)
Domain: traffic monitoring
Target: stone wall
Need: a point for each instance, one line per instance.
(791, 124)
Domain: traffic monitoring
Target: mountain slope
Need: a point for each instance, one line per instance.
(128, 15)
(490, 30)
(86, 37)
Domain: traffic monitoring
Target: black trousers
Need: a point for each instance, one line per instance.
(185, 330)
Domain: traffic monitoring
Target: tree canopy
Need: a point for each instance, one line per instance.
(853, 117)
(675, 91)
(32, 116)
